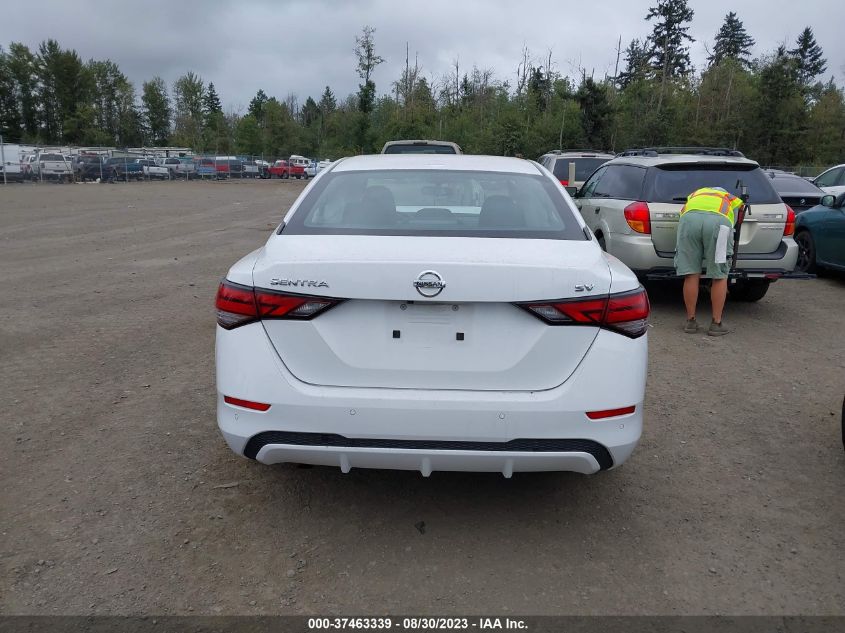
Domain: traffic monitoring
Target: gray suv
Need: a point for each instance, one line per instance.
(632, 204)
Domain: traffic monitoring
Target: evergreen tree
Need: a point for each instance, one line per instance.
(808, 54)
(211, 101)
(328, 103)
(156, 111)
(636, 63)
(310, 112)
(256, 106)
(61, 83)
(365, 53)
(11, 127)
(669, 52)
(596, 113)
(732, 42)
(188, 106)
(20, 64)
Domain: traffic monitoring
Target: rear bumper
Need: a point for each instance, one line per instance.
(639, 254)
(428, 430)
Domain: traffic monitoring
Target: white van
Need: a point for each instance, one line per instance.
(10, 162)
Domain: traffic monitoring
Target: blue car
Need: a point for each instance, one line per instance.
(820, 233)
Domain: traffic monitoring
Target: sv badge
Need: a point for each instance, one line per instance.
(583, 287)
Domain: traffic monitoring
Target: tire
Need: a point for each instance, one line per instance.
(749, 290)
(806, 252)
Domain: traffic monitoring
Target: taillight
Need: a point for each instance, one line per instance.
(625, 312)
(638, 217)
(610, 413)
(789, 228)
(249, 404)
(564, 182)
(238, 305)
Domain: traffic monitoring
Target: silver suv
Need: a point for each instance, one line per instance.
(586, 162)
(632, 204)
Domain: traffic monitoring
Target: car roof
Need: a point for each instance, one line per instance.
(455, 162)
(680, 159)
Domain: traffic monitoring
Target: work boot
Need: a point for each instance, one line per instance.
(717, 329)
(691, 326)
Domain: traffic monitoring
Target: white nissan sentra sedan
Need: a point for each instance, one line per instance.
(432, 313)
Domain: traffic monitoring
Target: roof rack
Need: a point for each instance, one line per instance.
(701, 151)
(577, 151)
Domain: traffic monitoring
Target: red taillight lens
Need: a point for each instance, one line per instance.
(638, 217)
(610, 413)
(247, 404)
(564, 182)
(238, 305)
(789, 228)
(235, 305)
(625, 313)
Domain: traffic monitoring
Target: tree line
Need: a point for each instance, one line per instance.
(776, 107)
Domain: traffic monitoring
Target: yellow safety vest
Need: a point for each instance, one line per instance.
(713, 201)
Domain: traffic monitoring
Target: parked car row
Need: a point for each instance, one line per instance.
(85, 167)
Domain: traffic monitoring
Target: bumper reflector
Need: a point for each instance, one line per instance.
(610, 413)
(246, 404)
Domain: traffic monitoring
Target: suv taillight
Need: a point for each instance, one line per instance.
(638, 217)
(625, 312)
(789, 227)
(238, 305)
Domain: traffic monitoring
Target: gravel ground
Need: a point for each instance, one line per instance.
(120, 497)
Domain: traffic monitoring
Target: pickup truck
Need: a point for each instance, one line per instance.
(49, 166)
(122, 168)
(152, 170)
(279, 169)
(286, 169)
(298, 165)
(182, 168)
(250, 169)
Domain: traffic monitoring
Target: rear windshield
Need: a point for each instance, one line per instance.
(795, 184)
(58, 157)
(673, 183)
(435, 203)
(419, 149)
(583, 167)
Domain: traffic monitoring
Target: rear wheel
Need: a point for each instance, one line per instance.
(806, 252)
(749, 290)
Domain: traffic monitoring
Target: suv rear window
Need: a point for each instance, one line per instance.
(674, 182)
(583, 167)
(435, 202)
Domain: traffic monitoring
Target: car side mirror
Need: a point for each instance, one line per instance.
(572, 191)
(828, 200)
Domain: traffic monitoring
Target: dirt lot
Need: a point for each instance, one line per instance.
(119, 496)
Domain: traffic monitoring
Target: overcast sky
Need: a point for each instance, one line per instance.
(293, 46)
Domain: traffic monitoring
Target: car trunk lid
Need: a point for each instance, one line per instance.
(469, 335)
